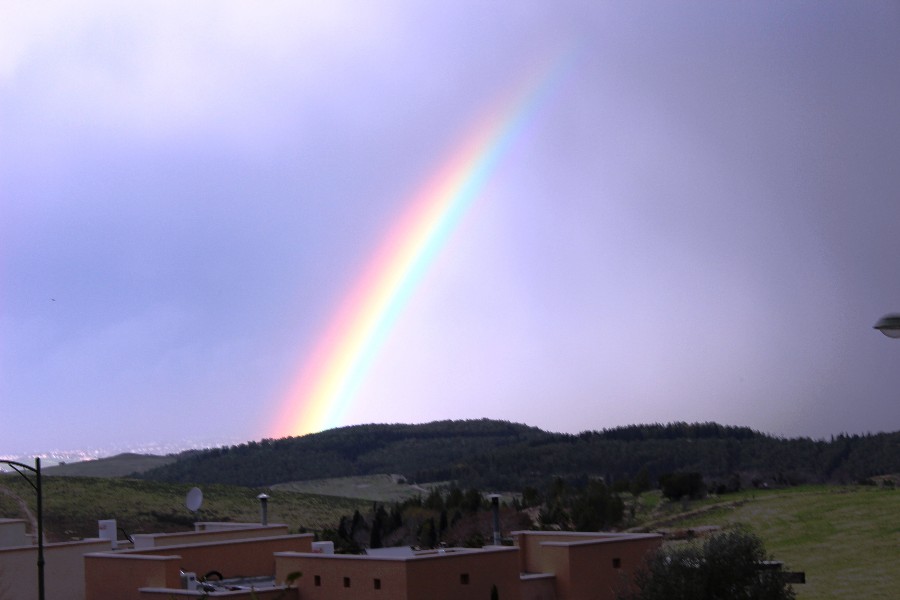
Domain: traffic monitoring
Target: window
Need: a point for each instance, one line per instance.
(464, 578)
(318, 581)
(346, 582)
(617, 563)
(377, 584)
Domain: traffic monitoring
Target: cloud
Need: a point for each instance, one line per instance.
(699, 224)
(161, 69)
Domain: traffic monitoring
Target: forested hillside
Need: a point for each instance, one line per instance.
(502, 455)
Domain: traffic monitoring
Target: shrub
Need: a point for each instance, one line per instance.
(726, 566)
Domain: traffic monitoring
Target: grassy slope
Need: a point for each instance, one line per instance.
(72, 505)
(380, 488)
(844, 538)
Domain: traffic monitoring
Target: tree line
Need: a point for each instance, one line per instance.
(462, 517)
(490, 454)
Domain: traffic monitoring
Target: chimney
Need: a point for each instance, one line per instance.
(263, 508)
(495, 508)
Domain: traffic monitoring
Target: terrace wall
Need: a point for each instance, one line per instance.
(63, 570)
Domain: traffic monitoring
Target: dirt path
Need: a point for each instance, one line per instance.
(657, 521)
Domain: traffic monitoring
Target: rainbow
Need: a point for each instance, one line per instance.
(324, 391)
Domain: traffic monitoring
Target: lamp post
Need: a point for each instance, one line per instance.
(889, 325)
(36, 484)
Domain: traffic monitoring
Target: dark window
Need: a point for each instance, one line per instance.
(464, 578)
(318, 581)
(617, 563)
(346, 582)
(377, 584)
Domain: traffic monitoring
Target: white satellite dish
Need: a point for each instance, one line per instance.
(194, 499)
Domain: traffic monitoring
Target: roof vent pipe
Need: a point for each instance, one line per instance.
(263, 509)
(495, 508)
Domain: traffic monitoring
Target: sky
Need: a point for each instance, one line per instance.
(659, 212)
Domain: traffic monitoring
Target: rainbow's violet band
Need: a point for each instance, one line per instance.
(324, 391)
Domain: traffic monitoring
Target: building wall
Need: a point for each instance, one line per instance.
(327, 576)
(118, 576)
(231, 558)
(598, 578)
(235, 557)
(450, 576)
(555, 559)
(530, 543)
(466, 575)
(63, 570)
(603, 569)
(537, 587)
(159, 540)
(12, 533)
(587, 566)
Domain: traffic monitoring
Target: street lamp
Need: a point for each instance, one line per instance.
(889, 325)
(36, 484)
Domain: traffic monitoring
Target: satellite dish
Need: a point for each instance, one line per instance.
(194, 499)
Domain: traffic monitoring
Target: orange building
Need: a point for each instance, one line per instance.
(453, 574)
(168, 565)
(540, 566)
(244, 561)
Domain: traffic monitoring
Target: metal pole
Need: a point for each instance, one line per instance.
(40, 528)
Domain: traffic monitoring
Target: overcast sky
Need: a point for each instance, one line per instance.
(700, 223)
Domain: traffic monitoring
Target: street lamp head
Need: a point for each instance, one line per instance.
(889, 325)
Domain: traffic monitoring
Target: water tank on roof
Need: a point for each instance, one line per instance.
(189, 581)
(323, 547)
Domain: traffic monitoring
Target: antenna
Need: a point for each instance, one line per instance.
(194, 499)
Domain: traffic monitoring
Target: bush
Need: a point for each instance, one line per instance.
(725, 566)
(682, 485)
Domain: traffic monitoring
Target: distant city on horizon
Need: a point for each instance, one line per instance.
(54, 457)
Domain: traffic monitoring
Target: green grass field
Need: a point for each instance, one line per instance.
(846, 539)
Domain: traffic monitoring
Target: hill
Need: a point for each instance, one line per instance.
(500, 455)
(420, 452)
(119, 465)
